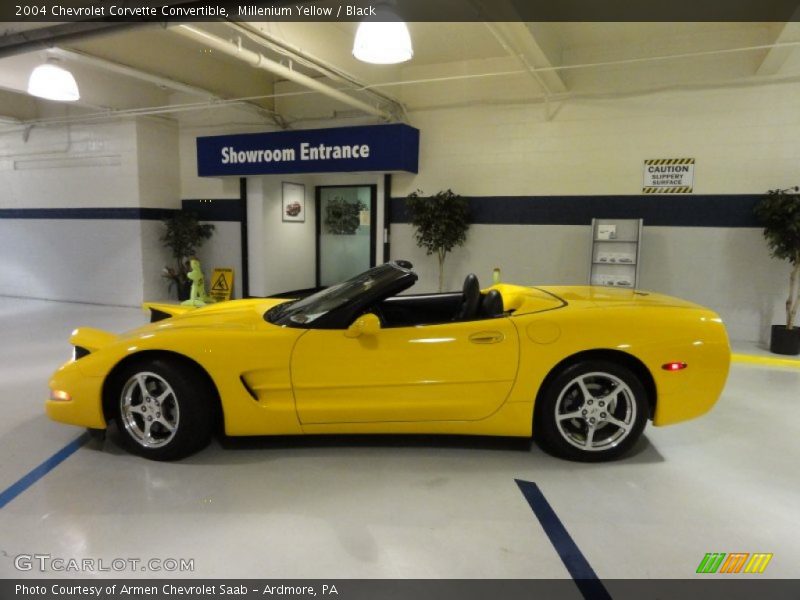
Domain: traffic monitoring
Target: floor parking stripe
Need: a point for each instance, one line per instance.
(768, 361)
(27, 480)
(585, 578)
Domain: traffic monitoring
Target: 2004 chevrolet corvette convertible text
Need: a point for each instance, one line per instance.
(580, 368)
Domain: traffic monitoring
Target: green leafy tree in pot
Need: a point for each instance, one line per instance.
(441, 222)
(183, 236)
(779, 212)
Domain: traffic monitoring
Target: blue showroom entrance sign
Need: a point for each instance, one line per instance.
(391, 147)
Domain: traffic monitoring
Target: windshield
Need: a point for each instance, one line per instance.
(305, 311)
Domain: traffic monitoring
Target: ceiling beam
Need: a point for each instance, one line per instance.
(259, 61)
(49, 37)
(534, 45)
(519, 41)
(165, 82)
(16, 107)
(777, 56)
(323, 67)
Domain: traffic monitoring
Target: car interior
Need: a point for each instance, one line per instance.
(428, 309)
(380, 293)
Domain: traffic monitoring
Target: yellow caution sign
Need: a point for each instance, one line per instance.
(668, 176)
(222, 284)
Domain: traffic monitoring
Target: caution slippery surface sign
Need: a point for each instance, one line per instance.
(668, 176)
(221, 284)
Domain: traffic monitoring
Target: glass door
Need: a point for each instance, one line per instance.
(345, 231)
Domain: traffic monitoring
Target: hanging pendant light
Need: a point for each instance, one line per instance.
(53, 82)
(383, 39)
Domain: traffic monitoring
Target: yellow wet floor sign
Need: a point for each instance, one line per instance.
(222, 284)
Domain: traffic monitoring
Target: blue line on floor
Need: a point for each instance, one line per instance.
(585, 578)
(27, 480)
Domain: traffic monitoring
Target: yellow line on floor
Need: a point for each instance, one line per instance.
(767, 361)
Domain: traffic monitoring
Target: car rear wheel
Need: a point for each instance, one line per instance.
(591, 411)
(163, 412)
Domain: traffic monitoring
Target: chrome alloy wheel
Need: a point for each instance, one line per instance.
(149, 409)
(595, 411)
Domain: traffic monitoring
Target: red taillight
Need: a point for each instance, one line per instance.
(674, 366)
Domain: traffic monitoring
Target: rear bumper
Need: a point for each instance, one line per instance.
(687, 394)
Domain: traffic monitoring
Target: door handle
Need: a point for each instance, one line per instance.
(486, 337)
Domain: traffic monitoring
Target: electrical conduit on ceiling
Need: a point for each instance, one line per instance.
(157, 110)
(260, 61)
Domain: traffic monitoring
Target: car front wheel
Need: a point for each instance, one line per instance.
(163, 412)
(591, 411)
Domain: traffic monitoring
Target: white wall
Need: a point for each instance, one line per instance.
(129, 164)
(158, 163)
(70, 167)
(159, 187)
(545, 254)
(744, 141)
(283, 254)
(75, 260)
(223, 250)
(558, 255)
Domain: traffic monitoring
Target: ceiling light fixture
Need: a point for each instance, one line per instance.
(52, 82)
(383, 39)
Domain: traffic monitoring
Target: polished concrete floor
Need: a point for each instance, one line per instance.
(394, 507)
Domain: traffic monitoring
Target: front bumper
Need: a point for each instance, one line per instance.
(85, 407)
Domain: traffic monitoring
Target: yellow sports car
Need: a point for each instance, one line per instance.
(580, 368)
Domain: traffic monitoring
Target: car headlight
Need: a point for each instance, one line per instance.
(60, 396)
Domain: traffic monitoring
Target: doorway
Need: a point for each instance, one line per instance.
(346, 223)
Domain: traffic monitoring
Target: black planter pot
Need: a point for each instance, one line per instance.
(784, 341)
(184, 290)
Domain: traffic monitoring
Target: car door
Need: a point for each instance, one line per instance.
(449, 371)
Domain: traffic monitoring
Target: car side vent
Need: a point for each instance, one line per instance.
(248, 388)
(80, 352)
(158, 315)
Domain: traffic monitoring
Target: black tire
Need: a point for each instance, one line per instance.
(176, 398)
(615, 412)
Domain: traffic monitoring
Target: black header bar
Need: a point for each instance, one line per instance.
(700, 588)
(409, 10)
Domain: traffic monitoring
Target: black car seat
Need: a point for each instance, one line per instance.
(491, 305)
(471, 299)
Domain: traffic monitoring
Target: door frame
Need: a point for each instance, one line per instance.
(373, 221)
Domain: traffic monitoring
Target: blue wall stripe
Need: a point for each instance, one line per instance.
(665, 210)
(675, 210)
(116, 214)
(579, 568)
(26, 481)
(206, 209)
(210, 209)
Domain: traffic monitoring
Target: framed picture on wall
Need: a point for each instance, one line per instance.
(294, 202)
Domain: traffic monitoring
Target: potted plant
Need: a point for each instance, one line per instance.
(779, 212)
(343, 217)
(441, 222)
(183, 236)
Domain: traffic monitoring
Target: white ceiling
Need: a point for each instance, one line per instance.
(454, 64)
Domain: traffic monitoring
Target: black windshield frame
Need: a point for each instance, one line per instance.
(337, 306)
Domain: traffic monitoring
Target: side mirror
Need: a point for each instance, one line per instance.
(366, 324)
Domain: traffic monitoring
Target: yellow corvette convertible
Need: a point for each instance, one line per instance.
(580, 368)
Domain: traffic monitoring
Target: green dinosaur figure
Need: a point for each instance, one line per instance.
(198, 296)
